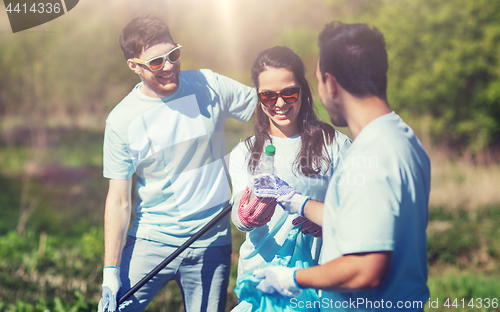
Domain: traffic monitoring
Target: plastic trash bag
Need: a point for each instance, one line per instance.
(295, 252)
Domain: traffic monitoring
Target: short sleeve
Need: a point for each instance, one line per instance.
(238, 100)
(117, 162)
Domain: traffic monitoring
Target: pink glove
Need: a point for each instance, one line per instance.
(308, 227)
(257, 212)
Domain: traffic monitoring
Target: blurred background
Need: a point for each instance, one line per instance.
(59, 81)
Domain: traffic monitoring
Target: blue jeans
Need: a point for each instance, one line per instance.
(201, 273)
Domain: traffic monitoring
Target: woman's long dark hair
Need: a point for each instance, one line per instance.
(313, 132)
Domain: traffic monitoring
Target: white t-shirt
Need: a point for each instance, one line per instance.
(176, 147)
(262, 244)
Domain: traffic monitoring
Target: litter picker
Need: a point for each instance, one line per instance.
(172, 256)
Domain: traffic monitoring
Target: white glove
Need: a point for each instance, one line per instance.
(293, 203)
(278, 279)
(291, 200)
(111, 283)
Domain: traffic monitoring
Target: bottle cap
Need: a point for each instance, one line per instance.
(270, 150)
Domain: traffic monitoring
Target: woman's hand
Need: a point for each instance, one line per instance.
(255, 211)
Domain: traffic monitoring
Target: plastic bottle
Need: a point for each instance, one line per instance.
(264, 168)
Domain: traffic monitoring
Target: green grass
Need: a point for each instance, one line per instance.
(464, 237)
(41, 272)
(464, 253)
(453, 284)
(13, 159)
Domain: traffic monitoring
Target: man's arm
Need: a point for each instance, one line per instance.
(116, 219)
(348, 273)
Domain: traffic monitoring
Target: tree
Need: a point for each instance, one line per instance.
(444, 66)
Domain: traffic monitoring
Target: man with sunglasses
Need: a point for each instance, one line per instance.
(168, 131)
(375, 213)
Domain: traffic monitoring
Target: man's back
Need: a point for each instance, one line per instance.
(379, 202)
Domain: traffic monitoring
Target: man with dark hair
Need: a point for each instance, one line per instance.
(363, 71)
(168, 131)
(376, 209)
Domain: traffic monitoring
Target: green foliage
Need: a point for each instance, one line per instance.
(459, 241)
(302, 41)
(463, 237)
(9, 203)
(444, 63)
(444, 57)
(66, 189)
(56, 73)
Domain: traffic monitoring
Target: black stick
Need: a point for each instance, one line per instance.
(179, 250)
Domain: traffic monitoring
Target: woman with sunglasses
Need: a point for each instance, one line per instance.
(307, 153)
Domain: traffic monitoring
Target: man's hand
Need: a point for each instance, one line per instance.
(110, 285)
(308, 227)
(287, 197)
(278, 280)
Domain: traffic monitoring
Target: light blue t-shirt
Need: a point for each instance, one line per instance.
(176, 147)
(262, 244)
(378, 201)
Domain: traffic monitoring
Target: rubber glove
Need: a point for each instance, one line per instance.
(111, 283)
(256, 212)
(308, 227)
(291, 200)
(278, 279)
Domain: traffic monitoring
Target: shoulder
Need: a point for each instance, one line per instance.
(205, 76)
(392, 136)
(124, 109)
(390, 144)
(197, 73)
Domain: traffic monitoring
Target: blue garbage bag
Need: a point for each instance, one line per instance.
(295, 252)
